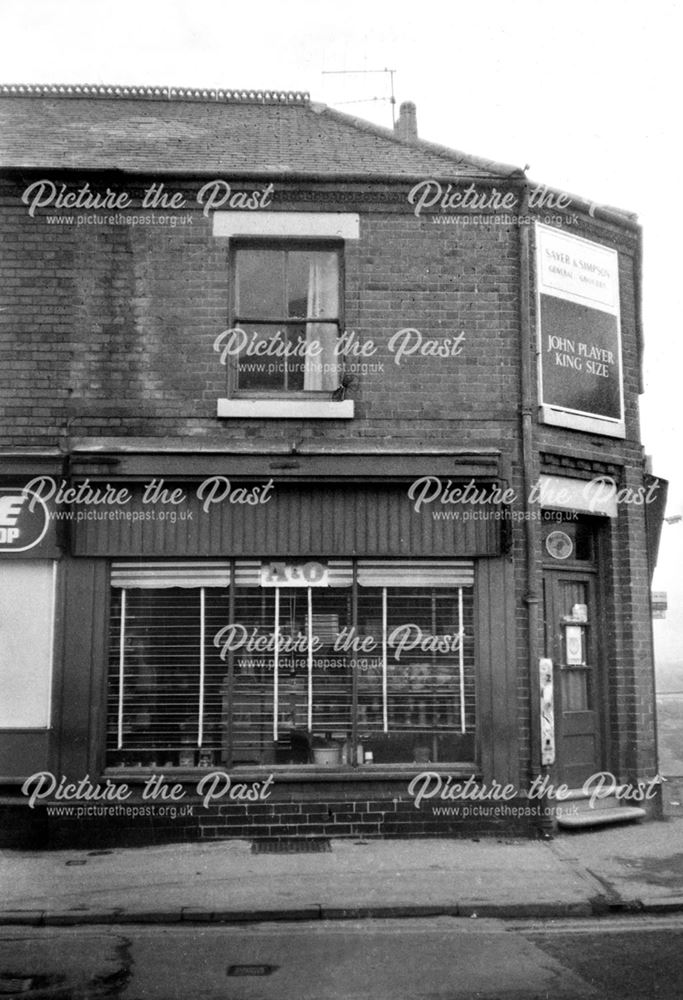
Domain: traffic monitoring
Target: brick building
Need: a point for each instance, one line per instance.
(322, 484)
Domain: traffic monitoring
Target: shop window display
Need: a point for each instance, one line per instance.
(262, 673)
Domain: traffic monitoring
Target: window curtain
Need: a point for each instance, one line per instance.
(323, 370)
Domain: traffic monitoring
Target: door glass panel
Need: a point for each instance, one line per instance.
(573, 593)
(576, 671)
(575, 690)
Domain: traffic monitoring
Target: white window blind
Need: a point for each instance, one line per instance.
(415, 573)
(162, 575)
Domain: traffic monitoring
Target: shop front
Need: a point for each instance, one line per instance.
(334, 642)
(253, 663)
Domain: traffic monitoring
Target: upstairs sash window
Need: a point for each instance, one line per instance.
(286, 320)
(265, 663)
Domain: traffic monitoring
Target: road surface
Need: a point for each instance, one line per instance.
(625, 958)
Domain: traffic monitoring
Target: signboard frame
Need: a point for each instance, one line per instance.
(607, 302)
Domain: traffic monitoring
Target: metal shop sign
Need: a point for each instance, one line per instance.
(26, 528)
(283, 574)
(579, 332)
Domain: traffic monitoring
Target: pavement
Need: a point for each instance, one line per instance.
(634, 868)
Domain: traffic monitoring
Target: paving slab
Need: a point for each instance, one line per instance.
(627, 868)
(226, 876)
(632, 863)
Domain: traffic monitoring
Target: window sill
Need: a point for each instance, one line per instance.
(300, 773)
(287, 409)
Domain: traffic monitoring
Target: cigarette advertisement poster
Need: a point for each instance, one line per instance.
(579, 332)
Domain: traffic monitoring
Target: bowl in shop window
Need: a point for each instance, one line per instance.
(327, 756)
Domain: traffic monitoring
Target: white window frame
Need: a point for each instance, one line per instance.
(278, 226)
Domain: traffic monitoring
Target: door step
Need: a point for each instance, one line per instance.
(576, 800)
(600, 817)
(575, 812)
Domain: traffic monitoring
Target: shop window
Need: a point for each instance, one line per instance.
(26, 635)
(416, 699)
(286, 709)
(286, 321)
(165, 677)
(291, 665)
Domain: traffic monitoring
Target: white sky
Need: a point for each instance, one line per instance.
(588, 94)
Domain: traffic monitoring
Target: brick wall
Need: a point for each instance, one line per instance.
(313, 810)
(109, 331)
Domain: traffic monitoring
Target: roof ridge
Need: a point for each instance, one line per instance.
(155, 93)
(446, 152)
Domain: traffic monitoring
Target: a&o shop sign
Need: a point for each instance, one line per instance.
(579, 333)
(24, 520)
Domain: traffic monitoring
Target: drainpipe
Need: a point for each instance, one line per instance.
(532, 597)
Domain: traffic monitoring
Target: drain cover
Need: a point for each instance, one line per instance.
(251, 970)
(291, 845)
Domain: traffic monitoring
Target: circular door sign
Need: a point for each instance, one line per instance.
(559, 545)
(24, 519)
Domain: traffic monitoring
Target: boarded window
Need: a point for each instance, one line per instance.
(26, 636)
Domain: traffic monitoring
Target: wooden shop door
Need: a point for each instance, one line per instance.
(572, 642)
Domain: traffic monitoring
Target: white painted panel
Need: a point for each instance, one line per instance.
(286, 409)
(26, 638)
(309, 225)
(588, 496)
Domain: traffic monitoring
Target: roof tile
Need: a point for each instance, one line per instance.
(159, 130)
